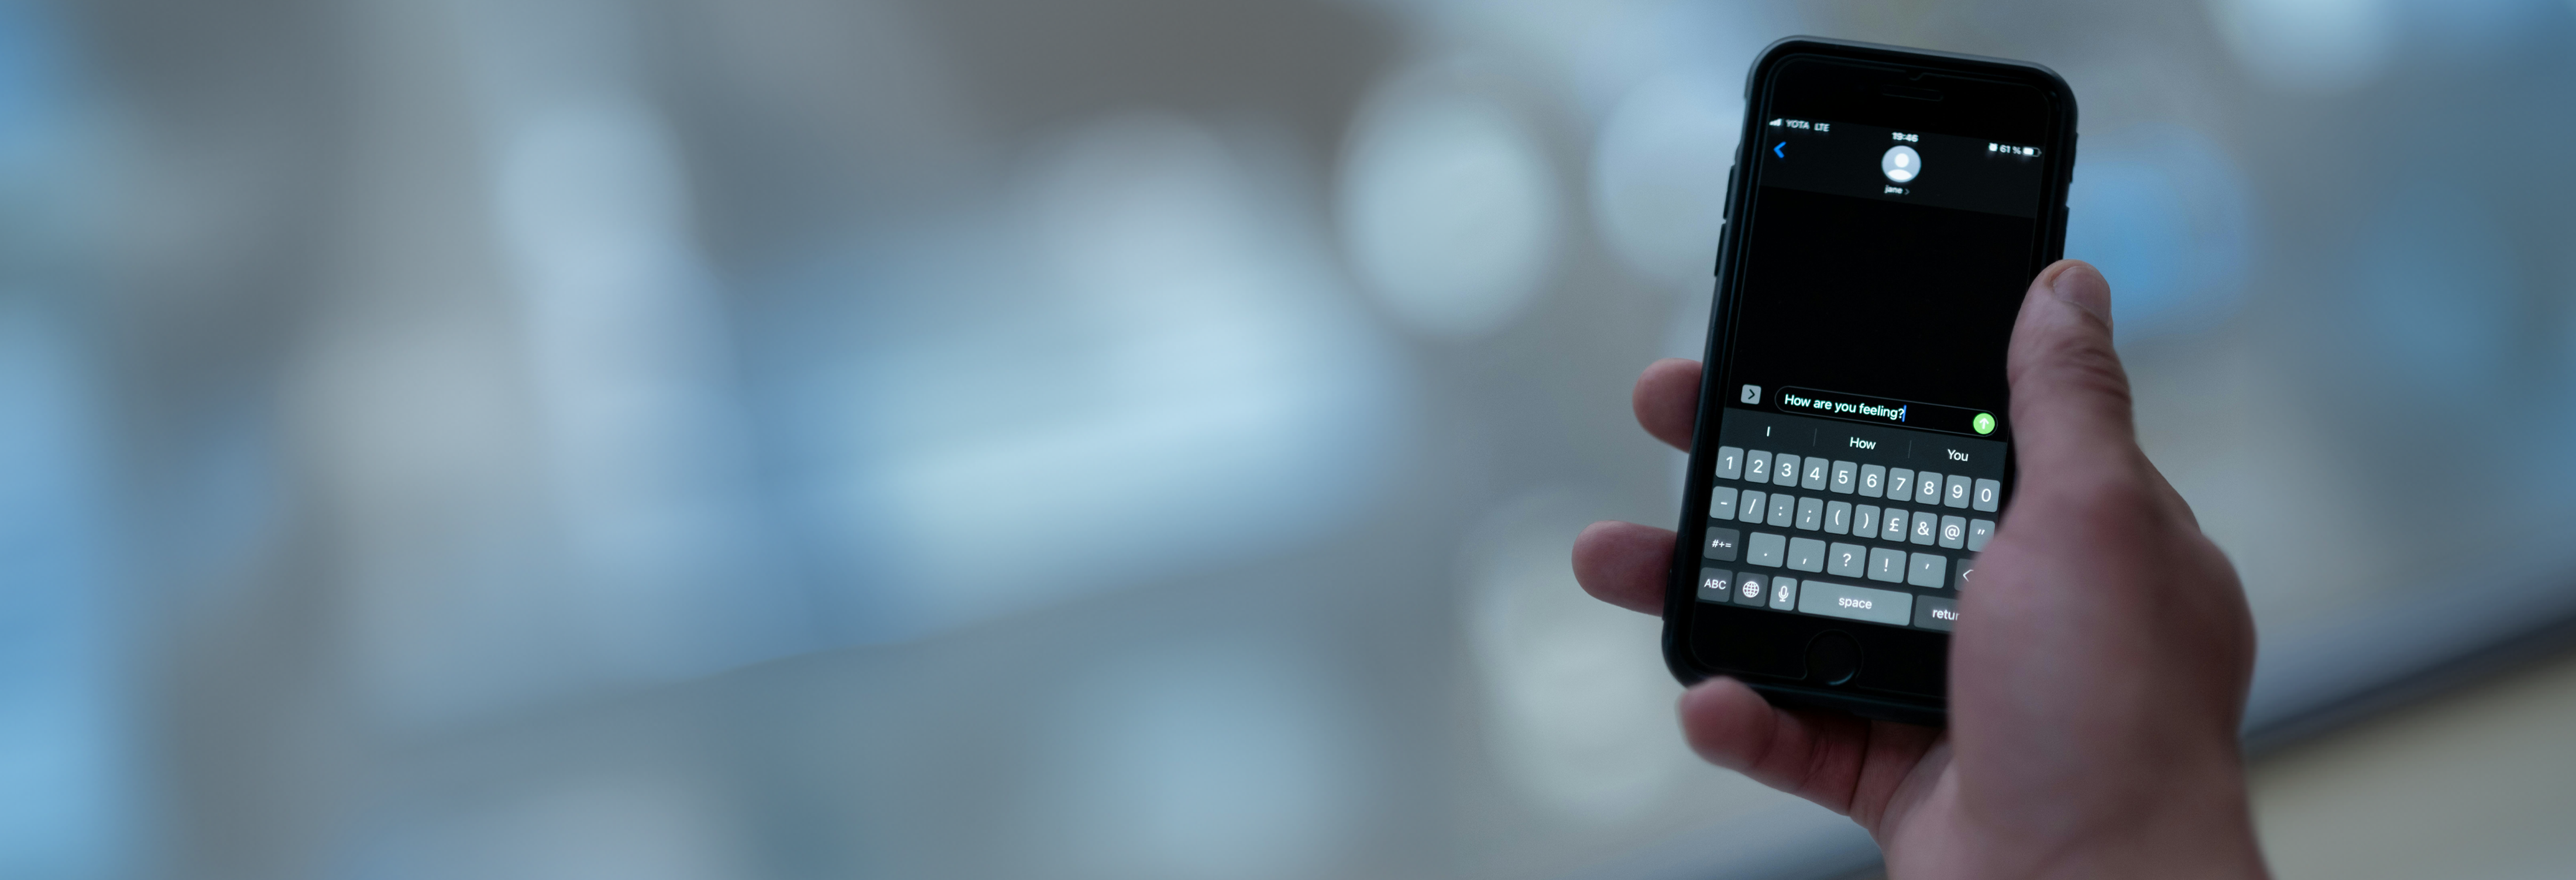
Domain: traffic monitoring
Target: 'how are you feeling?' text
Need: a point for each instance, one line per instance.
(1910, 413)
(1794, 401)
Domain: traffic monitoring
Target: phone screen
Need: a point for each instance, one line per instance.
(1860, 463)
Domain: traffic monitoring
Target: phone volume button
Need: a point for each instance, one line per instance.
(1726, 207)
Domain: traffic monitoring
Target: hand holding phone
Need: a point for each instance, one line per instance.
(2097, 676)
(1916, 499)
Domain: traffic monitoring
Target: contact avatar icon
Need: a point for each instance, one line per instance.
(1901, 163)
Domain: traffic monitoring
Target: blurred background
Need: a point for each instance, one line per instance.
(1142, 438)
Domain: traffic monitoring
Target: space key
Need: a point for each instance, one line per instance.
(1857, 603)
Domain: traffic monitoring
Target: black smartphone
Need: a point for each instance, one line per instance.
(1854, 452)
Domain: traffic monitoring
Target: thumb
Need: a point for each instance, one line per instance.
(2070, 398)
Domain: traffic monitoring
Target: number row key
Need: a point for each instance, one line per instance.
(1784, 469)
(1869, 481)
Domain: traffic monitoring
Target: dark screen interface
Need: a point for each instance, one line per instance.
(1860, 464)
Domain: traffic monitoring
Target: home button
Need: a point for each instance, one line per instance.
(1833, 657)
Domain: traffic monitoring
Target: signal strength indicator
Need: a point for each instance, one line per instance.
(1775, 122)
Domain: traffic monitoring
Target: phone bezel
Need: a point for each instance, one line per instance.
(2053, 130)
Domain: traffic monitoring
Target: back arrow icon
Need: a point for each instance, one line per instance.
(1776, 149)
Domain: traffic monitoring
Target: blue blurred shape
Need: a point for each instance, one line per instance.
(630, 364)
(2472, 32)
(2434, 287)
(1141, 365)
(61, 738)
(1145, 771)
(2309, 45)
(2165, 214)
(33, 72)
(64, 806)
(1659, 173)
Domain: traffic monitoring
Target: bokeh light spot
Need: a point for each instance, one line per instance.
(1449, 208)
(1659, 175)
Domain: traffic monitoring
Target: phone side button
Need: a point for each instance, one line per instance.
(1726, 204)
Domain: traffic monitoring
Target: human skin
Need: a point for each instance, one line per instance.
(2099, 669)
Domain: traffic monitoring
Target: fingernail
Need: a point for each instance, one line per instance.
(2084, 287)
